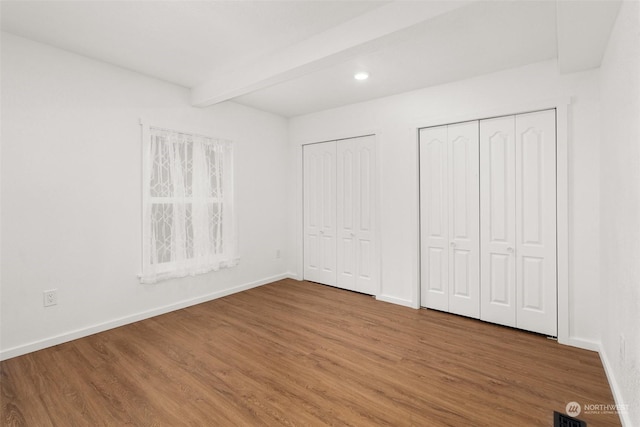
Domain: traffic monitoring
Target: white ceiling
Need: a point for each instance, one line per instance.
(297, 57)
(183, 42)
(473, 40)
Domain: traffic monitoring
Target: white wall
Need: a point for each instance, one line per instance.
(620, 208)
(71, 194)
(395, 120)
(70, 185)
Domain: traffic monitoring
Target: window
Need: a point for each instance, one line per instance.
(188, 217)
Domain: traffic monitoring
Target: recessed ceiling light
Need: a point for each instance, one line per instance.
(361, 76)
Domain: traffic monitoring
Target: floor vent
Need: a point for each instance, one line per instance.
(562, 420)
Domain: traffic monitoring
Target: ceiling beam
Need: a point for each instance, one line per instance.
(366, 33)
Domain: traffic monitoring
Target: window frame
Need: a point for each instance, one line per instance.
(228, 255)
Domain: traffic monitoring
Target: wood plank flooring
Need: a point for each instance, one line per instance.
(297, 353)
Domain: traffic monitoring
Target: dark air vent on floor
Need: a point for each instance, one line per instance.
(562, 420)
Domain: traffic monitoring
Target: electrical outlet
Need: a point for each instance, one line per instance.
(277, 253)
(50, 297)
(623, 349)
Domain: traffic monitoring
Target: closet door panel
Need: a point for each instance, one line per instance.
(497, 221)
(463, 201)
(347, 242)
(367, 277)
(434, 218)
(320, 212)
(535, 148)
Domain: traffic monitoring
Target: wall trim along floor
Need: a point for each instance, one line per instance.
(101, 327)
(615, 389)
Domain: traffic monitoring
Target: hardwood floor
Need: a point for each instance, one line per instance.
(298, 353)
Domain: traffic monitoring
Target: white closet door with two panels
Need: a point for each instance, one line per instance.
(518, 221)
(449, 218)
(356, 215)
(320, 212)
(340, 214)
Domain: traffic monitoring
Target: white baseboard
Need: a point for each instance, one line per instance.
(394, 300)
(615, 389)
(101, 327)
(581, 343)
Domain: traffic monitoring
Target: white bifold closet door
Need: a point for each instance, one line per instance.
(449, 211)
(340, 214)
(320, 212)
(356, 215)
(518, 221)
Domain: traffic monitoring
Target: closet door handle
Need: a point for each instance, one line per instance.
(510, 249)
(452, 244)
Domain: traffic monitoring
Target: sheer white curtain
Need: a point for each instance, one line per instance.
(189, 224)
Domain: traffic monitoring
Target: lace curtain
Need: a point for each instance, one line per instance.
(188, 205)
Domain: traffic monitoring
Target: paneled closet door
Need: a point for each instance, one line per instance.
(356, 250)
(449, 210)
(464, 219)
(518, 221)
(434, 216)
(320, 212)
(498, 220)
(535, 153)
